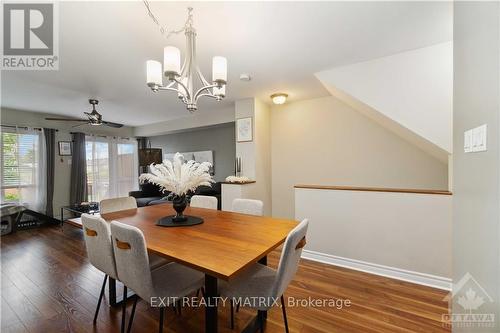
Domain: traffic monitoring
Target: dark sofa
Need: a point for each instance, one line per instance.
(150, 194)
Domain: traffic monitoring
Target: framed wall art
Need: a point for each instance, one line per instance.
(244, 129)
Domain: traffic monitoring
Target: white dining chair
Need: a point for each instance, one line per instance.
(169, 282)
(97, 237)
(248, 206)
(117, 204)
(259, 286)
(251, 207)
(203, 201)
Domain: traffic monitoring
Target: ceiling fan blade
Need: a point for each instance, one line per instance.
(110, 124)
(78, 125)
(66, 119)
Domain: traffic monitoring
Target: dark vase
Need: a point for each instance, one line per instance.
(179, 204)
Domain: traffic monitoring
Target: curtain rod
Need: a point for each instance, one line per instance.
(40, 128)
(102, 136)
(25, 127)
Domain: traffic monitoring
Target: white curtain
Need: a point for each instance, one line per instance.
(112, 167)
(24, 168)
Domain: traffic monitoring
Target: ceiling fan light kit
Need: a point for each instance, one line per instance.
(94, 118)
(182, 79)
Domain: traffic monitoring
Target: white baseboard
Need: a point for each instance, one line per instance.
(387, 271)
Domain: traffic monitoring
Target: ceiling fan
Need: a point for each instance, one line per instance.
(93, 118)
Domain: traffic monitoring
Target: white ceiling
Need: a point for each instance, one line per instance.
(104, 46)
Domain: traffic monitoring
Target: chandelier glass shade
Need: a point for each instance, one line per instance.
(187, 80)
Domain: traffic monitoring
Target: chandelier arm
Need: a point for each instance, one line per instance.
(186, 95)
(183, 68)
(201, 77)
(207, 88)
(207, 95)
(169, 89)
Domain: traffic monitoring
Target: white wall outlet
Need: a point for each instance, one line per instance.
(468, 141)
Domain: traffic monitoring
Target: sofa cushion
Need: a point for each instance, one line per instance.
(141, 202)
(159, 202)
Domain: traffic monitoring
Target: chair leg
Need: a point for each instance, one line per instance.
(284, 313)
(100, 298)
(232, 314)
(129, 328)
(124, 308)
(260, 318)
(160, 329)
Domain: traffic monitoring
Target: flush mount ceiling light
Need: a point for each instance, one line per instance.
(182, 79)
(279, 98)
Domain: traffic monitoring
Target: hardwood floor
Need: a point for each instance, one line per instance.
(49, 286)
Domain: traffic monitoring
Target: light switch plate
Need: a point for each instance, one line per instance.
(468, 141)
(475, 139)
(479, 135)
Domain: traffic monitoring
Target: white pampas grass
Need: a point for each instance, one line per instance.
(179, 177)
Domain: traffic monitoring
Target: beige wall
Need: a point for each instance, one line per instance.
(476, 213)
(323, 141)
(263, 157)
(256, 155)
(62, 164)
(380, 228)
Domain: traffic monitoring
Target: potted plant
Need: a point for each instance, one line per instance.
(179, 177)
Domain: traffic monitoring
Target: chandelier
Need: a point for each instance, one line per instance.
(182, 80)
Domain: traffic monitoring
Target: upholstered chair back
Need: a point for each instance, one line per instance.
(290, 257)
(248, 206)
(132, 262)
(117, 204)
(97, 236)
(203, 201)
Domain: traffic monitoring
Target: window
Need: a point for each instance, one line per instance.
(97, 155)
(127, 168)
(112, 167)
(23, 168)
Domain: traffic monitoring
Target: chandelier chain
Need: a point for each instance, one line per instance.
(163, 28)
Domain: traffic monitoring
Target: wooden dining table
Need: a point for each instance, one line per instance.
(222, 247)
